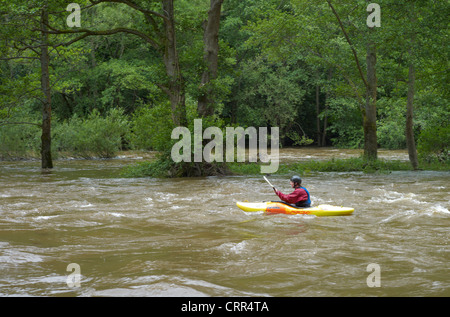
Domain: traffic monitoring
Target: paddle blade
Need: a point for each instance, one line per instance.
(268, 181)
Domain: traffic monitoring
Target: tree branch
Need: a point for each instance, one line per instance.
(87, 32)
(349, 42)
(30, 123)
(18, 57)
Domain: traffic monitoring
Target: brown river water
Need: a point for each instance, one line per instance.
(186, 237)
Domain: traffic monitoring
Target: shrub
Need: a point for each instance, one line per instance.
(434, 143)
(18, 141)
(95, 136)
(151, 128)
(391, 135)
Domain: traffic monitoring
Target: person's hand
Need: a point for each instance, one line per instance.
(274, 189)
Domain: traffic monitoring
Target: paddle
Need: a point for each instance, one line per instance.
(269, 183)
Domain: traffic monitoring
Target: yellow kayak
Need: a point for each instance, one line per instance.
(282, 208)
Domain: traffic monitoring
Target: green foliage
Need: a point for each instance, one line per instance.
(391, 135)
(270, 95)
(299, 140)
(95, 136)
(352, 165)
(164, 166)
(151, 128)
(161, 167)
(433, 117)
(333, 165)
(273, 54)
(391, 122)
(345, 123)
(18, 141)
(434, 143)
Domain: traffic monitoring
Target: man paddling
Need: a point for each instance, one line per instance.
(299, 197)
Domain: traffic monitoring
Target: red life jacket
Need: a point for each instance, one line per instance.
(299, 197)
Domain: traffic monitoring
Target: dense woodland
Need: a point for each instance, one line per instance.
(123, 73)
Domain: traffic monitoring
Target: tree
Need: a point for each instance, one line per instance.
(176, 85)
(410, 140)
(307, 31)
(158, 27)
(30, 40)
(415, 43)
(369, 80)
(158, 30)
(211, 58)
(46, 150)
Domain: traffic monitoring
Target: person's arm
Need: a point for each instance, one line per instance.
(289, 198)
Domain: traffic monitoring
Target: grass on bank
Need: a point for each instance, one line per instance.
(159, 168)
(357, 164)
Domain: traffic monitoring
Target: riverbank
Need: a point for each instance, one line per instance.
(298, 160)
(300, 166)
(344, 165)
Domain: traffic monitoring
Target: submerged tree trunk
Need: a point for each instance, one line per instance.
(370, 110)
(176, 85)
(46, 140)
(211, 56)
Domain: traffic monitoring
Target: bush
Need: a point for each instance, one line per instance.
(345, 124)
(19, 141)
(391, 135)
(434, 143)
(391, 122)
(334, 165)
(95, 136)
(151, 128)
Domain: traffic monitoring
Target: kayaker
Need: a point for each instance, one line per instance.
(299, 197)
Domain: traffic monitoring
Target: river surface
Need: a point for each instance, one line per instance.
(186, 237)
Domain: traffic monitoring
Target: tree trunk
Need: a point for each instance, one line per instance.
(211, 56)
(325, 126)
(370, 110)
(46, 140)
(94, 87)
(410, 142)
(176, 85)
(325, 118)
